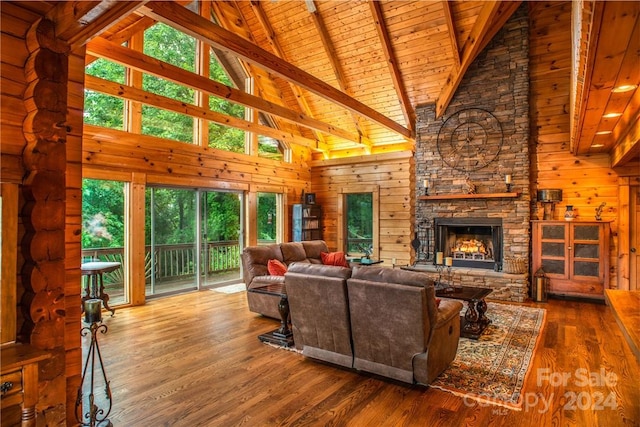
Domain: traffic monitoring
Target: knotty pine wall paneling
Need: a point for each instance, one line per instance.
(586, 181)
(393, 174)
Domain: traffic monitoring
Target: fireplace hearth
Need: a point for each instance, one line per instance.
(471, 242)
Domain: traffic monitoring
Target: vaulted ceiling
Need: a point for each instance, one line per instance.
(345, 77)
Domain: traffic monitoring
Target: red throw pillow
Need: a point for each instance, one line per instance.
(334, 258)
(276, 267)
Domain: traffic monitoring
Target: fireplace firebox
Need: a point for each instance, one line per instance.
(471, 242)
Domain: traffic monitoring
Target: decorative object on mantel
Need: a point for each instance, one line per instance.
(569, 214)
(92, 415)
(549, 198)
(599, 211)
(425, 184)
(470, 139)
(469, 186)
(507, 181)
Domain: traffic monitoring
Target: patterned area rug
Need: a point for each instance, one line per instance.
(493, 369)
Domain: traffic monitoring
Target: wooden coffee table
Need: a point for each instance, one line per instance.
(474, 321)
(283, 336)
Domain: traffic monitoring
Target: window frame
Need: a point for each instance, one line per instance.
(342, 215)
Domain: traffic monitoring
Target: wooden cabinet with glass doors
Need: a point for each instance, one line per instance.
(574, 255)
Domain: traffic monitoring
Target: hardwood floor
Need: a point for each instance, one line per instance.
(195, 360)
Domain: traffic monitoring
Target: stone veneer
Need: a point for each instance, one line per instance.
(497, 81)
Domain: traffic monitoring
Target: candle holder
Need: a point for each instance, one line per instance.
(439, 269)
(93, 415)
(508, 184)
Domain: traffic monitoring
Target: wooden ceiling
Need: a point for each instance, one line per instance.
(345, 77)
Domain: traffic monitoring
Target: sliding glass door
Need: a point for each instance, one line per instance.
(171, 244)
(221, 214)
(192, 238)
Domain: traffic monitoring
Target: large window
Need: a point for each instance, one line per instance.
(101, 109)
(358, 212)
(269, 226)
(359, 223)
(103, 232)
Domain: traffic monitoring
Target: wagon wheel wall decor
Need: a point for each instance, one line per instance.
(470, 139)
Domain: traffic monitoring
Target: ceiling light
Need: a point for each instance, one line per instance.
(624, 88)
(603, 132)
(597, 145)
(611, 115)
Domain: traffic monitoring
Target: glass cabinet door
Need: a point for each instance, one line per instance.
(554, 250)
(585, 240)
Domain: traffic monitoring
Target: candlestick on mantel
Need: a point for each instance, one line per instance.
(507, 181)
(448, 261)
(438, 257)
(425, 185)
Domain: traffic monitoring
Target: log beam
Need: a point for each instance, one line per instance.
(196, 26)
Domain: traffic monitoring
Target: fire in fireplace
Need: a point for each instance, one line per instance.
(471, 242)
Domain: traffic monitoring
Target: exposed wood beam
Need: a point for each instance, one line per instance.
(586, 17)
(263, 20)
(338, 72)
(492, 17)
(77, 22)
(129, 58)
(451, 28)
(192, 24)
(390, 57)
(628, 147)
(159, 101)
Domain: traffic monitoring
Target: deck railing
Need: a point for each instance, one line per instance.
(172, 262)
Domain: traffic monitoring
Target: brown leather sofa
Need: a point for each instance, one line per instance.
(255, 273)
(374, 319)
(398, 329)
(319, 310)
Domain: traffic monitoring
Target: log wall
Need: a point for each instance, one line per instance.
(35, 134)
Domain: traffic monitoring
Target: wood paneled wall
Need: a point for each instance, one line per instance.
(585, 181)
(394, 175)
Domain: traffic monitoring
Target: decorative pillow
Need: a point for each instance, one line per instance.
(276, 267)
(438, 302)
(334, 258)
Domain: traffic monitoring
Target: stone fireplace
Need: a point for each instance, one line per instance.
(473, 207)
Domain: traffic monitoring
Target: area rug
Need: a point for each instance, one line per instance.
(231, 289)
(494, 368)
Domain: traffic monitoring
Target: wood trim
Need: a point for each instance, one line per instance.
(374, 158)
(8, 319)
(469, 196)
(624, 234)
(363, 188)
(135, 248)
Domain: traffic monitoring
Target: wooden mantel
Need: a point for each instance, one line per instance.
(470, 196)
